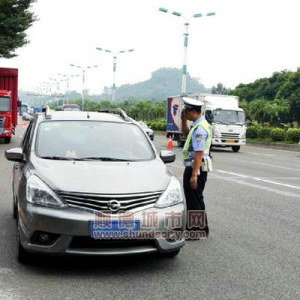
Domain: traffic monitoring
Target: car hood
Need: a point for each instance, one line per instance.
(103, 177)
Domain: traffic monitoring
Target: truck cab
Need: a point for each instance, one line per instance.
(227, 119)
(8, 103)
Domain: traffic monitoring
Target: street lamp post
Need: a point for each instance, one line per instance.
(114, 68)
(83, 79)
(186, 35)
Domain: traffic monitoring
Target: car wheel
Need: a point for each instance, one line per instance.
(170, 254)
(7, 140)
(22, 255)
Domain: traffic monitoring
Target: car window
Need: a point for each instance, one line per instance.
(92, 139)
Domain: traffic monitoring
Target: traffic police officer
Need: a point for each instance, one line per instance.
(195, 151)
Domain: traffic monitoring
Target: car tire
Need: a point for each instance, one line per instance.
(7, 140)
(170, 254)
(23, 256)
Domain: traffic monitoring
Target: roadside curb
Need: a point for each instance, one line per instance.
(276, 146)
(288, 147)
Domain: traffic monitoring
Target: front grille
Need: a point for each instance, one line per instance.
(80, 242)
(2, 120)
(98, 202)
(229, 135)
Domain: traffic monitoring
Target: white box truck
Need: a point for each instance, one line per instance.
(227, 119)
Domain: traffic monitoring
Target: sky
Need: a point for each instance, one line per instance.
(245, 40)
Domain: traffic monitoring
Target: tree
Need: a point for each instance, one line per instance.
(219, 89)
(15, 19)
(257, 110)
(277, 110)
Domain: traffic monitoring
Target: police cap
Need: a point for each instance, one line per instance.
(189, 103)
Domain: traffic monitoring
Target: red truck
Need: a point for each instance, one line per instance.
(8, 103)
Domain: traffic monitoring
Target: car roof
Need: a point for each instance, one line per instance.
(106, 116)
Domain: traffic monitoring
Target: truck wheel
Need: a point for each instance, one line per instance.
(180, 144)
(236, 148)
(7, 140)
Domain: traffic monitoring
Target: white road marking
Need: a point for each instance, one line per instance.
(268, 165)
(260, 179)
(255, 153)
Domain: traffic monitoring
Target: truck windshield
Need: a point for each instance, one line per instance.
(228, 116)
(4, 104)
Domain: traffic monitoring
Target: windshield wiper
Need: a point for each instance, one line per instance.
(60, 158)
(103, 158)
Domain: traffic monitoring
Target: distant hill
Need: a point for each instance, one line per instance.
(163, 83)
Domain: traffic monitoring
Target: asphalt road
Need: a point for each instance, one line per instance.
(252, 199)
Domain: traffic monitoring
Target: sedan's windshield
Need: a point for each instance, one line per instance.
(92, 140)
(228, 116)
(4, 104)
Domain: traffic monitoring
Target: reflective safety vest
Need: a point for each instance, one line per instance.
(188, 151)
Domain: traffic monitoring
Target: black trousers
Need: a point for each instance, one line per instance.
(194, 197)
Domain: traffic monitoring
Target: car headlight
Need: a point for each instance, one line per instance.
(172, 195)
(37, 192)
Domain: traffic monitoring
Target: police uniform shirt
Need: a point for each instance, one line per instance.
(199, 136)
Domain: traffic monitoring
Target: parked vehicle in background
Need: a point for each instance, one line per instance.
(221, 111)
(26, 116)
(71, 107)
(8, 103)
(147, 129)
(23, 108)
(91, 183)
(37, 109)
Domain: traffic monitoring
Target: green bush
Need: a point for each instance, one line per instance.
(162, 126)
(293, 134)
(159, 125)
(251, 132)
(264, 132)
(277, 134)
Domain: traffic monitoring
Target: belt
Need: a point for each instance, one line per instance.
(188, 163)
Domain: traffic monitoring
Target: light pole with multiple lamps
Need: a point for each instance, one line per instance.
(114, 68)
(67, 79)
(83, 78)
(186, 34)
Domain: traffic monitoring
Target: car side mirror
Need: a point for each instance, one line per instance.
(14, 154)
(167, 156)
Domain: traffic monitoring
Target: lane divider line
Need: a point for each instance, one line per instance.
(259, 179)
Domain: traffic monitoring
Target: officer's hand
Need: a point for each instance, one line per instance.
(193, 181)
(183, 115)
